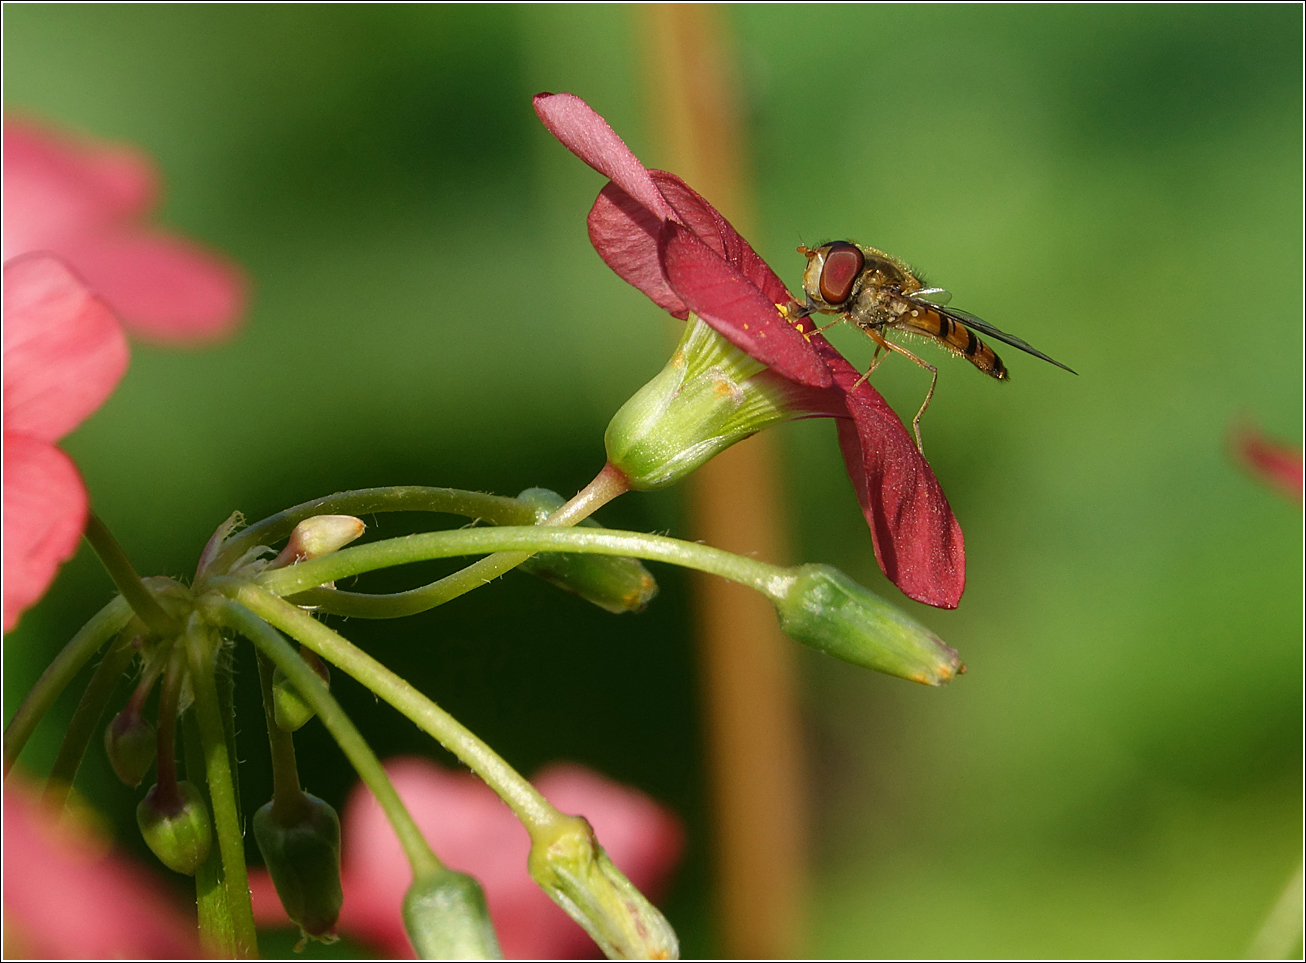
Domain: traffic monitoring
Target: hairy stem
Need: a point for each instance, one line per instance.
(129, 583)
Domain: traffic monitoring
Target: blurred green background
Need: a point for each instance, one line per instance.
(1119, 773)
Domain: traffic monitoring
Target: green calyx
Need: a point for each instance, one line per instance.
(446, 918)
(301, 849)
(707, 398)
(176, 826)
(290, 709)
(611, 582)
(131, 744)
(825, 609)
(569, 864)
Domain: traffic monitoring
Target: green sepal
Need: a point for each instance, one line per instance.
(302, 854)
(446, 918)
(612, 582)
(131, 744)
(825, 609)
(179, 830)
(290, 710)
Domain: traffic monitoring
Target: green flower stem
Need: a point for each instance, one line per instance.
(314, 690)
(129, 583)
(607, 485)
(89, 638)
(527, 804)
(217, 930)
(86, 719)
(770, 580)
(222, 794)
(401, 498)
(169, 700)
(287, 796)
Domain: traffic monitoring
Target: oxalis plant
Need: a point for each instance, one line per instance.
(747, 359)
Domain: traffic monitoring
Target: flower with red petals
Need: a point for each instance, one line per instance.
(63, 354)
(474, 832)
(86, 202)
(659, 235)
(67, 897)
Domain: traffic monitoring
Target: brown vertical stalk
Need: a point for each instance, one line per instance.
(754, 743)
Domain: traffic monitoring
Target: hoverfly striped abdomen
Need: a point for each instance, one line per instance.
(954, 336)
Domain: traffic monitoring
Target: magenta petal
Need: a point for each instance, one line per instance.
(716, 291)
(917, 539)
(44, 513)
(626, 236)
(165, 288)
(63, 350)
(588, 136)
(708, 224)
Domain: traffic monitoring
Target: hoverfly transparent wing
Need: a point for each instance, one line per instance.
(938, 296)
(983, 327)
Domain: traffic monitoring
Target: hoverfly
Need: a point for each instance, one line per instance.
(876, 291)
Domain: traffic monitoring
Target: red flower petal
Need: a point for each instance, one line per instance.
(65, 899)
(717, 292)
(1277, 463)
(917, 539)
(588, 136)
(626, 236)
(170, 289)
(63, 350)
(44, 514)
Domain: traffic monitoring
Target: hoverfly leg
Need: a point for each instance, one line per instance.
(934, 379)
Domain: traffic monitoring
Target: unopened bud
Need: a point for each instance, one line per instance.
(825, 609)
(612, 582)
(446, 918)
(318, 536)
(289, 708)
(131, 743)
(177, 829)
(570, 865)
(709, 396)
(302, 854)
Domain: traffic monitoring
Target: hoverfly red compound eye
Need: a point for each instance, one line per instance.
(843, 262)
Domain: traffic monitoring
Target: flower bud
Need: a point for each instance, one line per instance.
(302, 854)
(707, 398)
(571, 866)
(130, 742)
(178, 831)
(289, 708)
(318, 536)
(611, 582)
(446, 918)
(825, 609)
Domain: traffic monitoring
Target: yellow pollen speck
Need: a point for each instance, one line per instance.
(745, 327)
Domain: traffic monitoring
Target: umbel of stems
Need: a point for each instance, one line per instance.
(182, 634)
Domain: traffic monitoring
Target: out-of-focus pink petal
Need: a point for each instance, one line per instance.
(471, 830)
(164, 287)
(711, 227)
(63, 349)
(64, 898)
(588, 136)
(1275, 462)
(917, 539)
(626, 236)
(717, 292)
(57, 187)
(44, 514)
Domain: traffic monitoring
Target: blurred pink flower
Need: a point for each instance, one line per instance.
(63, 354)
(1274, 462)
(87, 203)
(659, 235)
(66, 896)
(471, 830)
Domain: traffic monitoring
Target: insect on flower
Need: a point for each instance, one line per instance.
(876, 291)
